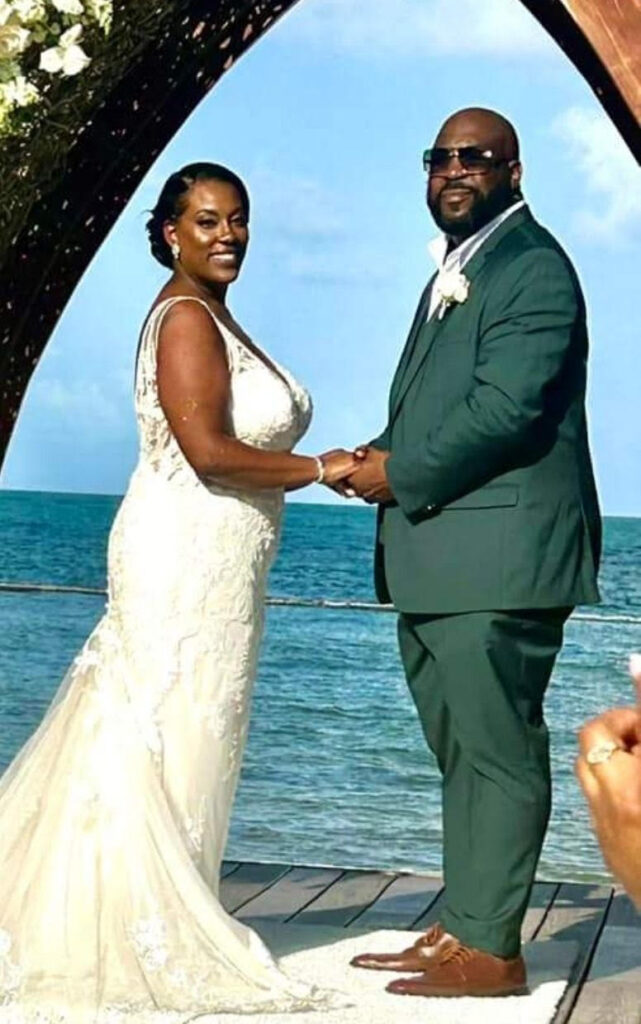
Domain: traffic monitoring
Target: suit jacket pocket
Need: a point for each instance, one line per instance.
(492, 496)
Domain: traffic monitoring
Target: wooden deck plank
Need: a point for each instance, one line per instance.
(247, 882)
(541, 899)
(403, 903)
(228, 867)
(432, 913)
(577, 914)
(605, 982)
(623, 913)
(543, 894)
(291, 893)
(345, 900)
(611, 993)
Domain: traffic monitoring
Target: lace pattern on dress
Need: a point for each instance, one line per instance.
(114, 821)
(10, 973)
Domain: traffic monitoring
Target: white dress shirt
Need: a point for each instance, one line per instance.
(463, 252)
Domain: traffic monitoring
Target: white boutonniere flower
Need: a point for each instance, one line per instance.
(67, 57)
(452, 287)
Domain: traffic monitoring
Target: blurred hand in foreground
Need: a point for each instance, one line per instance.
(613, 786)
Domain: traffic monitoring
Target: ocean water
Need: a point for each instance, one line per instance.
(336, 770)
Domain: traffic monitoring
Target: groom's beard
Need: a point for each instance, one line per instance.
(482, 209)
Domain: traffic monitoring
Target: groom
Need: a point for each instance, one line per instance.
(488, 535)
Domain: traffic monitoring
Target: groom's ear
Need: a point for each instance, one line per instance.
(516, 176)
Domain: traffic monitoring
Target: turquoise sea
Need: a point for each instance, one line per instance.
(336, 771)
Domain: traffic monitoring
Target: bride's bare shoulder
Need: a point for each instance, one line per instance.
(188, 316)
(189, 342)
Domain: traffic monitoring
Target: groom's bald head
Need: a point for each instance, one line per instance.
(480, 124)
(461, 199)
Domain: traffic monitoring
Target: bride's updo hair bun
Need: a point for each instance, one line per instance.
(172, 201)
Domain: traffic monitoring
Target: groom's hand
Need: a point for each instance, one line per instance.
(369, 481)
(337, 470)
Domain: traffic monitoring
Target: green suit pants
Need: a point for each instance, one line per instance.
(478, 680)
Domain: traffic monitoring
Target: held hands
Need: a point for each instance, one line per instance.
(613, 786)
(338, 465)
(369, 481)
(358, 474)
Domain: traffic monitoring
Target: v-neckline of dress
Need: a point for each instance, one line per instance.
(258, 354)
(254, 350)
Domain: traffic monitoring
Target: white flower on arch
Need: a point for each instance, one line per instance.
(67, 58)
(19, 92)
(27, 11)
(14, 40)
(73, 7)
(28, 25)
(102, 12)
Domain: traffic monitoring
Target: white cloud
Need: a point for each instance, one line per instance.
(311, 232)
(421, 27)
(346, 265)
(609, 173)
(300, 207)
(79, 404)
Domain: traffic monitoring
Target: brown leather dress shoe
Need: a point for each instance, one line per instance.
(426, 948)
(463, 971)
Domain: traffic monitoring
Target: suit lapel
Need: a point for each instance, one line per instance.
(410, 344)
(430, 330)
(474, 266)
(408, 368)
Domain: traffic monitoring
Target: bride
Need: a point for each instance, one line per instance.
(114, 816)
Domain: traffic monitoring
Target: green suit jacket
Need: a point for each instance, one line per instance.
(495, 502)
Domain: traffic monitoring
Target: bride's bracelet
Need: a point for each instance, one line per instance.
(320, 476)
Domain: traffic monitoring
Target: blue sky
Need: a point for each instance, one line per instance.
(326, 119)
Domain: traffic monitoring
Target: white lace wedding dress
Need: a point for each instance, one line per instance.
(114, 816)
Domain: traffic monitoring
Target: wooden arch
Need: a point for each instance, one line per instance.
(63, 188)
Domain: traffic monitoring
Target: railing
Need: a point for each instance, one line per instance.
(285, 602)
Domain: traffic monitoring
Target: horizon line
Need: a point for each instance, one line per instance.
(288, 501)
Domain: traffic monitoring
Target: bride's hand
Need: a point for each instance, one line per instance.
(338, 464)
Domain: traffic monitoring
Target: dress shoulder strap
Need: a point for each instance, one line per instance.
(155, 319)
(151, 333)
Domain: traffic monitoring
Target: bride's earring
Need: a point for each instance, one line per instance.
(175, 251)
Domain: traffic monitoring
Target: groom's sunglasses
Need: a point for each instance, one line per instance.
(473, 159)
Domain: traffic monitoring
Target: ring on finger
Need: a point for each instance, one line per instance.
(602, 752)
